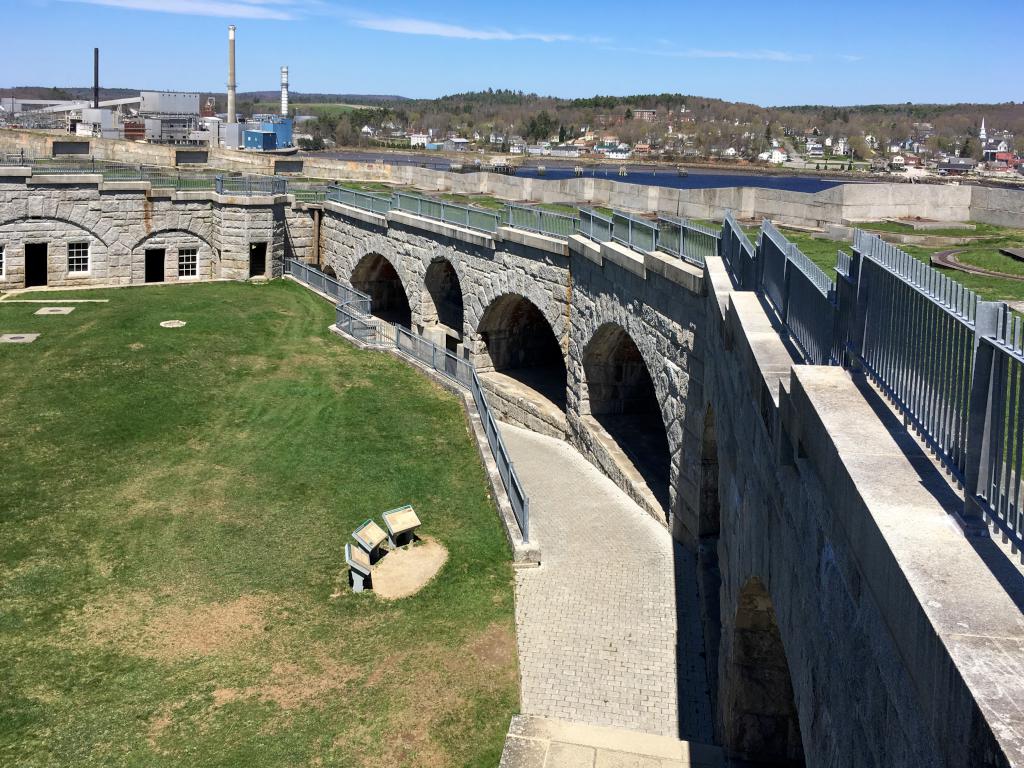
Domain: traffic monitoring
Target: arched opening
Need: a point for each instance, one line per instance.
(329, 271)
(377, 277)
(760, 718)
(709, 575)
(443, 305)
(623, 401)
(523, 349)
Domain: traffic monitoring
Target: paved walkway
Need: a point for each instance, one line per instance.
(608, 626)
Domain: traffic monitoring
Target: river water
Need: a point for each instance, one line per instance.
(665, 176)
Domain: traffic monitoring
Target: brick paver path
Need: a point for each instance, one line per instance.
(599, 621)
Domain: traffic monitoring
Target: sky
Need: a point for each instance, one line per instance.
(779, 53)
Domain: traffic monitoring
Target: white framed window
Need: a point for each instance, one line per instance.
(78, 257)
(188, 262)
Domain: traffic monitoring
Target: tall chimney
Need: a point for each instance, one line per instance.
(95, 78)
(284, 91)
(232, 114)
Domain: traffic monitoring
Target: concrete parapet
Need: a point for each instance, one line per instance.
(534, 240)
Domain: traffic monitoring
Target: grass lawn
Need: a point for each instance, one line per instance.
(174, 508)
(980, 230)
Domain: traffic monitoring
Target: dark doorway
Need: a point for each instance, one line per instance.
(523, 347)
(444, 293)
(623, 401)
(257, 259)
(155, 259)
(760, 716)
(35, 264)
(376, 276)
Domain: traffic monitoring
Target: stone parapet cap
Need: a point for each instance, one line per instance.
(587, 248)
(957, 626)
(675, 270)
(556, 245)
(65, 179)
(359, 214)
(625, 257)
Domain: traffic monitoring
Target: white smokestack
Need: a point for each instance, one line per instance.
(232, 113)
(284, 91)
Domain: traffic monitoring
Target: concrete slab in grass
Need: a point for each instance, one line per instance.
(54, 311)
(18, 338)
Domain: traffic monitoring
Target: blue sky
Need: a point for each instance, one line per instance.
(775, 53)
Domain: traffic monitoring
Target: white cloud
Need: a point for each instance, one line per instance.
(278, 10)
(408, 26)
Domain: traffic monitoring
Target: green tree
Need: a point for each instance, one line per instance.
(629, 113)
(561, 134)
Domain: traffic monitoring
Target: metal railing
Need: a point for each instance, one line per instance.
(358, 199)
(802, 295)
(460, 215)
(687, 241)
(738, 253)
(638, 234)
(352, 315)
(251, 185)
(595, 226)
(539, 220)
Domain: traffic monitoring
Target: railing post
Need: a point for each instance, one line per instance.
(979, 415)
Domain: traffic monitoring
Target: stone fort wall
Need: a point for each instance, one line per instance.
(831, 574)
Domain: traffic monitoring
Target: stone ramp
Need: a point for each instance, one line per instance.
(538, 742)
(608, 626)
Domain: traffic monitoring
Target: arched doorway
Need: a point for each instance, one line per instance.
(760, 718)
(443, 305)
(623, 401)
(522, 348)
(378, 277)
(709, 576)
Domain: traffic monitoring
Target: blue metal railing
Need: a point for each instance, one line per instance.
(636, 233)
(251, 185)
(687, 241)
(460, 215)
(359, 199)
(540, 220)
(595, 225)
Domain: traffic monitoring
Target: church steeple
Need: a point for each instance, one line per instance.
(981, 134)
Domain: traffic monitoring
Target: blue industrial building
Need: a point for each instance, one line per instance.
(266, 133)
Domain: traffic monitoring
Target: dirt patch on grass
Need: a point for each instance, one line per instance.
(290, 685)
(168, 632)
(406, 571)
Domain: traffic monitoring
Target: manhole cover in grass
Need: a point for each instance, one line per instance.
(18, 338)
(55, 311)
(172, 324)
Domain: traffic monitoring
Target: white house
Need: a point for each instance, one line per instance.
(730, 152)
(366, 131)
(841, 146)
(418, 139)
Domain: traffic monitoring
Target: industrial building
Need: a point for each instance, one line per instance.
(161, 117)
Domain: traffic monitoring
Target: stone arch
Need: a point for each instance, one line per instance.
(169, 233)
(172, 240)
(759, 716)
(329, 271)
(709, 574)
(47, 219)
(57, 233)
(709, 510)
(621, 397)
(375, 275)
(443, 301)
(520, 343)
